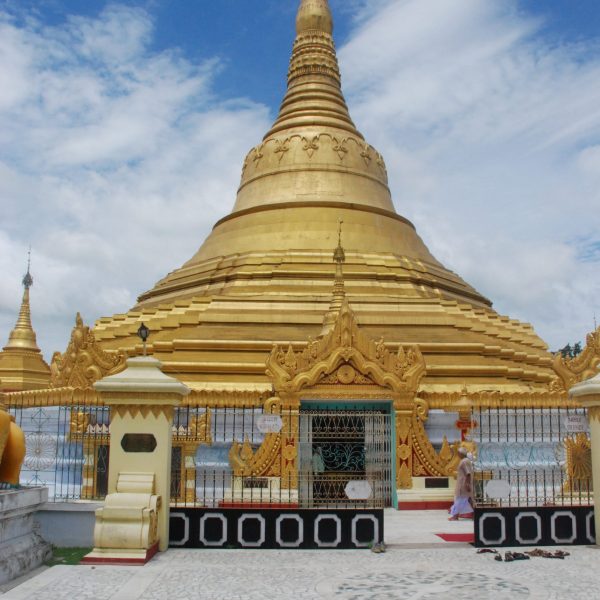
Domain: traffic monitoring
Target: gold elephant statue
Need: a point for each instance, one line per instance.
(12, 448)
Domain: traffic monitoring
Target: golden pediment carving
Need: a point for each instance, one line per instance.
(346, 355)
(346, 374)
(84, 362)
(574, 370)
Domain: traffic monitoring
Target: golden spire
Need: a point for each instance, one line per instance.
(339, 257)
(314, 96)
(339, 293)
(313, 152)
(22, 337)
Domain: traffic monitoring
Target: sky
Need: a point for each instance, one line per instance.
(123, 128)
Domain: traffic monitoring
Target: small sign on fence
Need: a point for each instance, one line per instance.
(269, 423)
(497, 489)
(358, 490)
(576, 423)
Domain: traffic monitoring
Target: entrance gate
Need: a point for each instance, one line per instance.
(344, 481)
(342, 447)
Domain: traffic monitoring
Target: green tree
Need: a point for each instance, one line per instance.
(571, 351)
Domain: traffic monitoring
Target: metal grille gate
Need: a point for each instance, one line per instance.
(338, 447)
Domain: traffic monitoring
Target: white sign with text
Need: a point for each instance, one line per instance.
(269, 423)
(576, 423)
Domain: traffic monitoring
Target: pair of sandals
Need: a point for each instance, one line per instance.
(510, 556)
(548, 554)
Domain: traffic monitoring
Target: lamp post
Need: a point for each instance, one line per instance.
(143, 333)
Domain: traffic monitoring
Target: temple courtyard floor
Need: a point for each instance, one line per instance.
(417, 564)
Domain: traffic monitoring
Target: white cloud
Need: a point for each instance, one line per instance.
(491, 137)
(104, 146)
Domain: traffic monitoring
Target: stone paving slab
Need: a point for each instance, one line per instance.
(441, 570)
(445, 572)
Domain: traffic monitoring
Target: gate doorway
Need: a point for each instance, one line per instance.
(341, 446)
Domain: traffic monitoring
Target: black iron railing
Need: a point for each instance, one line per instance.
(532, 457)
(221, 456)
(67, 447)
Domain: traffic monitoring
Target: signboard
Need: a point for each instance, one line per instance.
(576, 423)
(497, 489)
(269, 423)
(358, 490)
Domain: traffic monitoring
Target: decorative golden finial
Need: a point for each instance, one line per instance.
(28, 279)
(339, 293)
(22, 337)
(339, 256)
(314, 15)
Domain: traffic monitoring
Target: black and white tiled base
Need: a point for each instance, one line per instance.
(275, 529)
(534, 526)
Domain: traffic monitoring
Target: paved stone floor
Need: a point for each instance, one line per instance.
(416, 566)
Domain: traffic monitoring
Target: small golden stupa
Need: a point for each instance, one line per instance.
(22, 366)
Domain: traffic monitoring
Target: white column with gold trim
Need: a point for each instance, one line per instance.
(142, 400)
(588, 393)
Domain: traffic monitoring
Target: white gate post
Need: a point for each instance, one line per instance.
(134, 521)
(588, 393)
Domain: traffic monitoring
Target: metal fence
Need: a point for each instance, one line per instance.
(317, 455)
(66, 448)
(536, 457)
(310, 464)
(532, 457)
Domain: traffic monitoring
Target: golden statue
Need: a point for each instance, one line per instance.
(12, 447)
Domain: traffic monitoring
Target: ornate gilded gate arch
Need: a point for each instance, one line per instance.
(343, 365)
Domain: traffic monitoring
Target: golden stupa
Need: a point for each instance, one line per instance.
(261, 316)
(265, 273)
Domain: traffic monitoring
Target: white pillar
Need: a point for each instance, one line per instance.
(142, 401)
(588, 394)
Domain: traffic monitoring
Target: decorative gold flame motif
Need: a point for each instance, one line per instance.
(579, 457)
